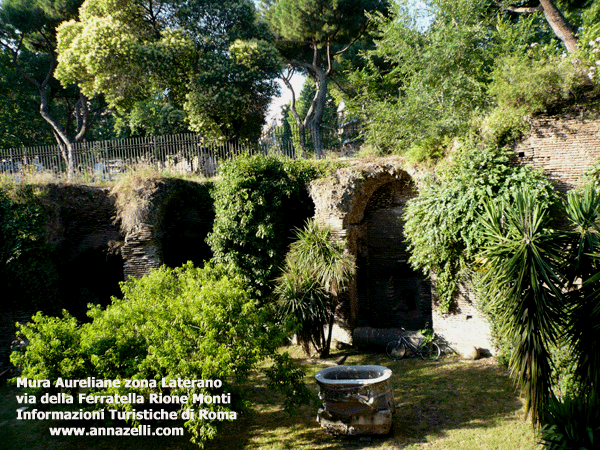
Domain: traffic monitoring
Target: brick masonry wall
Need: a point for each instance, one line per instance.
(363, 204)
(464, 327)
(563, 147)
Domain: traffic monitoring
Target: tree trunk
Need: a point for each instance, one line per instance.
(327, 347)
(299, 123)
(319, 109)
(81, 110)
(563, 29)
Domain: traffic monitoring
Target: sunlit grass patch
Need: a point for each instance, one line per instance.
(445, 405)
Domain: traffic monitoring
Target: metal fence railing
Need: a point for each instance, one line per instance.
(184, 153)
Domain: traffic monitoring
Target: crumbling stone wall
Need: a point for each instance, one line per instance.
(170, 227)
(464, 327)
(80, 225)
(85, 250)
(363, 203)
(564, 147)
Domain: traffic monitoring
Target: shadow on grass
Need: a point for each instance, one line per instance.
(432, 398)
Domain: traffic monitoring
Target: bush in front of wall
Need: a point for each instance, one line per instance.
(258, 202)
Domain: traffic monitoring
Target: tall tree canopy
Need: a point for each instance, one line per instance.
(212, 59)
(427, 82)
(311, 34)
(28, 34)
(560, 25)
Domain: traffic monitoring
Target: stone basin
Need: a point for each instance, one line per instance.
(356, 399)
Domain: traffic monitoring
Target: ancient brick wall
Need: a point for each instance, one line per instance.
(563, 147)
(363, 203)
(465, 326)
(85, 250)
(171, 227)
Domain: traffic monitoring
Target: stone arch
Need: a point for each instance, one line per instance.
(363, 203)
(171, 223)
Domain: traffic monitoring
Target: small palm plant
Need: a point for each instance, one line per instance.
(317, 269)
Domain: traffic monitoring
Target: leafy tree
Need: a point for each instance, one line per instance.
(187, 323)
(20, 121)
(555, 18)
(317, 270)
(211, 60)
(311, 34)
(152, 117)
(329, 125)
(30, 26)
(422, 84)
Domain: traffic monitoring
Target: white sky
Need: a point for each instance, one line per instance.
(284, 97)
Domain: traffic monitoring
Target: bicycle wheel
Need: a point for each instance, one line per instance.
(430, 351)
(396, 349)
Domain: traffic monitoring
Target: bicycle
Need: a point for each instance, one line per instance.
(427, 349)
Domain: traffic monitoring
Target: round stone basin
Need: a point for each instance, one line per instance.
(353, 375)
(356, 399)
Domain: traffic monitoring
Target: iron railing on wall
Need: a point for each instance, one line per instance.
(184, 153)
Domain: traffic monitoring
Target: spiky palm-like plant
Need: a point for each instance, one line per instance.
(315, 263)
(303, 300)
(583, 328)
(522, 265)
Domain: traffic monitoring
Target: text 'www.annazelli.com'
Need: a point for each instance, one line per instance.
(141, 430)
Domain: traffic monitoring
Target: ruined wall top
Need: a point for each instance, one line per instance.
(341, 198)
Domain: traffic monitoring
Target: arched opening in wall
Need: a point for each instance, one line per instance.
(390, 293)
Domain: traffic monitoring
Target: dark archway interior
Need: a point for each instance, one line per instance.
(390, 293)
(94, 276)
(188, 218)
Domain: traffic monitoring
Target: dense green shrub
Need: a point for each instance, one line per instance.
(523, 81)
(534, 81)
(189, 323)
(53, 350)
(258, 202)
(441, 222)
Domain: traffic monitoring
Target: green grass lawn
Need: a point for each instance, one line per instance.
(449, 404)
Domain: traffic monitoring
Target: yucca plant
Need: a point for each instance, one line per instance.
(572, 423)
(521, 261)
(582, 208)
(315, 264)
(303, 301)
